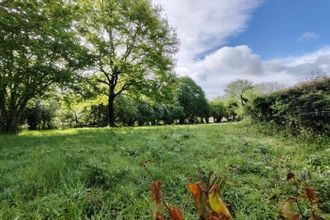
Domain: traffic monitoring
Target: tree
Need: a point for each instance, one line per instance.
(268, 87)
(132, 46)
(231, 110)
(39, 115)
(38, 50)
(238, 88)
(127, 110)
(192, 99)
(217, 110)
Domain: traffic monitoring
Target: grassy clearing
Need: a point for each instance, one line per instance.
(79, 173)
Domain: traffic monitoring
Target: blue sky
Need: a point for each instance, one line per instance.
(259, 40)
(277, 26)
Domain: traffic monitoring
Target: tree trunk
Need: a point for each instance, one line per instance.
(13, 121)
(2, 112)
(2, 120)
(111, 110)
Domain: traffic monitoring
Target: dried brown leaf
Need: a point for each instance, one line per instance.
(175, 213)
(310, 194)
(287, 211)
(197, 193)
(290, 175)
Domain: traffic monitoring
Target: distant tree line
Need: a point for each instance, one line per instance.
(185, 104)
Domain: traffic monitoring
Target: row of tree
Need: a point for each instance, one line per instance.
(187, 104)
(97, 63)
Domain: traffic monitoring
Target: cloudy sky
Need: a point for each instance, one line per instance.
(259, 40)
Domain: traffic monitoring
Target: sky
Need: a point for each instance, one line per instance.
(259, 40)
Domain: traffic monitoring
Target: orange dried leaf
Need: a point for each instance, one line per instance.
(175, 213)
(156, 197)
(217, 205)
(155, 192)
(197, 193)
(311, 194)
(290, 176)
(287, 211)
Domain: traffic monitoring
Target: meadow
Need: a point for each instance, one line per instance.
(98, 173)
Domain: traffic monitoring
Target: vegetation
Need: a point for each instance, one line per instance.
(238, 88)
(132, 47)
(303, 109)
(192, 99)
(79, 173)
(111, 63)
(49, 45)
(81, 63)
(38, 51)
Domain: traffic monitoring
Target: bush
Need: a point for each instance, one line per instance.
(304, 108)
(217, 110)
(38, 117)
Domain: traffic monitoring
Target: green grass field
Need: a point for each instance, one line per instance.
(84, 173)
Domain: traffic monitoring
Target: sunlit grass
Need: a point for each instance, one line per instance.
(79, 173)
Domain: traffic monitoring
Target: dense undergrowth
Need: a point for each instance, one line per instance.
(84, 173)
(302, 110)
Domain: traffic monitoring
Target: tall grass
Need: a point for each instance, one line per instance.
(84, 173)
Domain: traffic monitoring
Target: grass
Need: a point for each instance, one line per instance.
(97, 172)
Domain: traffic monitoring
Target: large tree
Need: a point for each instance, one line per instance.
(37, 51)
(132, 45)
(191, 98)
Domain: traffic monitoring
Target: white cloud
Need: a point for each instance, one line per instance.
(238, 61)
(204, 26)
(308, 36)
(230, 63)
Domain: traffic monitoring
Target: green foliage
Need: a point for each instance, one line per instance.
(132, 47)
(76, 111)
(301, 109)
(38, 49)
(39, 117)
(218, 110)
(237, 90)
(126, 110)
(232, 110)
(192, 99)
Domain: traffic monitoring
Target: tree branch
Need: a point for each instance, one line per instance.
(123, 88)
(103, 81)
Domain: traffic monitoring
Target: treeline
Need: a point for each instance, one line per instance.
(185, 104)
(299, 109)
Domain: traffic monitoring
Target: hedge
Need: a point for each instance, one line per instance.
(302, 108)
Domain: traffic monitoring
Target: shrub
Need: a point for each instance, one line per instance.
(304, 108)
(38, 117)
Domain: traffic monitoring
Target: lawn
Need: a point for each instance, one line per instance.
(80, 173)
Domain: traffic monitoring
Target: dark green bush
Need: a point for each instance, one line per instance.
(38, 117)
(304, 108)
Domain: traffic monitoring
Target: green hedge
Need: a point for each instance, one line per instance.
(303, 108)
